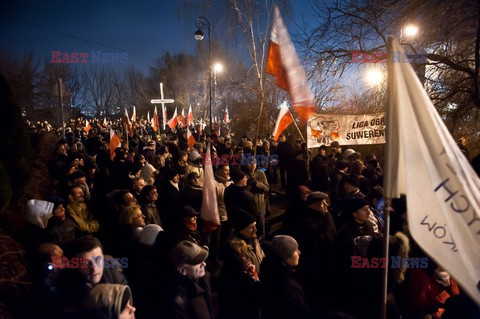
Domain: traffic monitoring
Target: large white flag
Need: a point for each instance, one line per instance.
(209, 211)
(424, 163)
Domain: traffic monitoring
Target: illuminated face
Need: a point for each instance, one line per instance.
(59, 212)
(361, 215)
(128, 200)
(94, 270)
(139, 185)
(139, 218)
(153, 195)
(250, 231)
(194, 271)
(224, 172)
(128, 312)
(77, 195)
(294, 259)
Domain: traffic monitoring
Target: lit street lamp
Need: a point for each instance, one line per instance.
(201, 23)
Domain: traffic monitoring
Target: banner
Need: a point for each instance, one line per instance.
(442, 189)
(361, 129)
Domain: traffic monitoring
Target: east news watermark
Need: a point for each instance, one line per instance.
(59, 262)
(89, 57)
(382, 262)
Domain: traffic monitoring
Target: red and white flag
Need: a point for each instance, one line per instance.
(226, 118)
(88, 126)
(424, 162)
(128, 124)
(284, 119)
(114, 143)
(284, 64)
(190, 139)
(173, 122)
(155, 120)
(182, 117)
(209, 211)
(134, 115)
(189, 116)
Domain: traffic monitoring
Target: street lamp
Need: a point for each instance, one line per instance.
(374, 77)
(217, 68)
(201, 23)
(411, 30)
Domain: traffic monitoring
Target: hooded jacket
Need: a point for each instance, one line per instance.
(106, 301)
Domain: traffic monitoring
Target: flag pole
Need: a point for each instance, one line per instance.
(386, 235)
(258, 129)
(298, 129)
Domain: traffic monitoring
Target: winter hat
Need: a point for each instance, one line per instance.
(187, 252)
(284, 246)
(335, 144)
(316, 197)
(241, 218)
(107, 300)
(170, 173)
(188, 211)
(355, 204)
(149, 234)
(39, 212)
(236, 175)
(57, 201)
(351, 179)
(347, 153)
(194, 155)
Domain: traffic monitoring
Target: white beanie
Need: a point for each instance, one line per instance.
(39, 212)
(149, 234)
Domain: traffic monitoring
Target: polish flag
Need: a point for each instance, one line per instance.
(128, 124)
(190, 139)
(284, 64)
(88, 126)
(173, 122)
(182, 117)
(134, 115)
(284, 119)
(155, 120)
(189, 116)
(209, 211)
(114, 143)
(226, 118)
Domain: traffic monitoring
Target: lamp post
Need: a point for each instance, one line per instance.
(201, 23)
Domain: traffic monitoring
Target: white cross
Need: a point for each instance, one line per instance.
(162, 101)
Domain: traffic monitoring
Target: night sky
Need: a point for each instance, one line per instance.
(144, 29)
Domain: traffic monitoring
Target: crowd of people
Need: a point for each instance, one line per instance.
(122, 234)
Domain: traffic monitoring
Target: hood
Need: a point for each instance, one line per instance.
(107, 300)
(39, 212)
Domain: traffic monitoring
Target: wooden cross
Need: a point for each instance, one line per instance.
(162, 101)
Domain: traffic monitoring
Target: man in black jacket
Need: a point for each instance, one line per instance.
(190, 287)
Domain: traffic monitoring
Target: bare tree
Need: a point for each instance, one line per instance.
(100, 86)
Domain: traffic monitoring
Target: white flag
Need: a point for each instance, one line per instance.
(425, 163)
(209, 211)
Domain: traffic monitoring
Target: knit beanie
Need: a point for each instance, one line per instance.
(236, 175)
(240, 218)
(149, 234)
(284, 246)
(355, 204)
(39, 212)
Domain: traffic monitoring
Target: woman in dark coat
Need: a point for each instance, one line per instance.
(283, 294)
(238, 284)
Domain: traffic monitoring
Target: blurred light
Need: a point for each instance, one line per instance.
(411, 30)
(374, 77)
(218, 67)
(199, 35)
